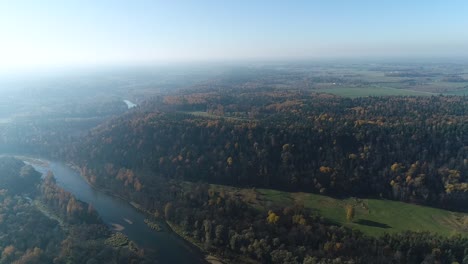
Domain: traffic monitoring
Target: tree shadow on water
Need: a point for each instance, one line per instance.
(371, 223)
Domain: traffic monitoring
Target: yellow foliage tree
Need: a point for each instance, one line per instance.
(9, 250)
(324, 169)
(338, 246)
(395, 167)
(137, 185)
(349, 212)
(272, 217)
(156, 214)
(299, 219)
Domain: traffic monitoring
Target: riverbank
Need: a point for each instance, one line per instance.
(192, 244)
(46, 211)
(112, 208)
(212, 259)
(209, 258)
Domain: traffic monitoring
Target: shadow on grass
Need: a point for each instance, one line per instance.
(371, 223)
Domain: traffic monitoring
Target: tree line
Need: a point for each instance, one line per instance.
(411, 149)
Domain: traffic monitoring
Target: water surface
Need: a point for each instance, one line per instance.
(129, 104)
(170, 248)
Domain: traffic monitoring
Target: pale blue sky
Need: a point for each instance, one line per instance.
(68, 32)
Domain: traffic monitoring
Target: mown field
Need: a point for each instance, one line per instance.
(372, 91)
(372, 216)
(459, 92)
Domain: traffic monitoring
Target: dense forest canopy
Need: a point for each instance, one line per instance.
(403, 148)
(226, 132)
(215, 159)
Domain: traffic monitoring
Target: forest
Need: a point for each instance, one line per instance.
(42, 223)
(178, 155)
(165, 153)
(234, 132)
(411, 149)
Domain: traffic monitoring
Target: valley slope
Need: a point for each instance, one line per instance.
(410, 149)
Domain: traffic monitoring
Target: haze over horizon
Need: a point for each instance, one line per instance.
(38, 34)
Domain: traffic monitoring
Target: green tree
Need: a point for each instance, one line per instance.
(349, 213)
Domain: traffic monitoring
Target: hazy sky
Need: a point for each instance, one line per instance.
(63, 32)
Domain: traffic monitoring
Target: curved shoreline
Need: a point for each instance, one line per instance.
(207, 257)
(203, 257)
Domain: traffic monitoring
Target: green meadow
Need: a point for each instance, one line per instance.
(372, 216)
(372, 91)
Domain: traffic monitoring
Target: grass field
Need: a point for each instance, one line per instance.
(371, 91)
(212, 116)
(459, 92)
(373, 216)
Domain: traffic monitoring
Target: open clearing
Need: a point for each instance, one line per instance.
(372, 216)
(372, 91)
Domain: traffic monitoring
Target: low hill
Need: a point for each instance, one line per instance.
(164, 155)
(411, 149)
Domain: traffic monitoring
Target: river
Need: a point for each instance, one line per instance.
(129, 104)
(170, 248)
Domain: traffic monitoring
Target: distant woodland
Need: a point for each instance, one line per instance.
(410, 149)
(165, 153)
